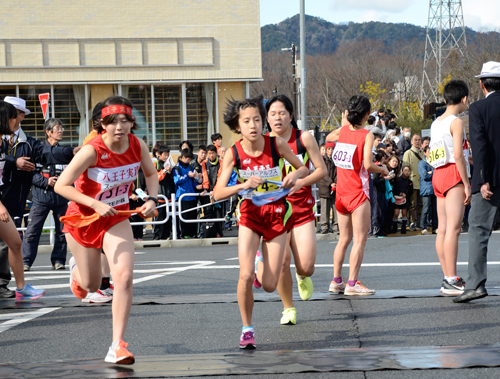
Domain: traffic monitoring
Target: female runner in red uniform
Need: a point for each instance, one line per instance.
(106, 168)
(302, 232)
(255, 158)
(353, 158)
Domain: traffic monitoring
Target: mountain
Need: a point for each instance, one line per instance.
(324, 37)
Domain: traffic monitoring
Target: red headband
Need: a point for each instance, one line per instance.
(116, 109)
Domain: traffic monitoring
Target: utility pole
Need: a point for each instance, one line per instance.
(445, 35)
(293, 49)
(303, 108)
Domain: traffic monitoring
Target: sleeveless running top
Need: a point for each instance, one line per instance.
(111, 179)
(298, 148)
(268, 165)
(442, 150)
(352, 176)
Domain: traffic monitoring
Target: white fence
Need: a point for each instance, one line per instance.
(174, 210)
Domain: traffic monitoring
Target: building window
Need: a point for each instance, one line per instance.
(64, 107)
(7, 91)
(140, 96)
(66, 110)
(168, 115)
(200, 111)
(33, 125)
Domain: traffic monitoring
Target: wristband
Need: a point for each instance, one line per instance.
(153, 199)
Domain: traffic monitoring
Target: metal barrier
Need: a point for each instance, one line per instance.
(199, 207)
(175, 210)
(52, 227)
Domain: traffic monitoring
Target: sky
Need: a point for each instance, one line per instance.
(480, 15)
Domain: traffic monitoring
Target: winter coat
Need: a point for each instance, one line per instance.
(425, 178)
(324, 185)
(17, 183)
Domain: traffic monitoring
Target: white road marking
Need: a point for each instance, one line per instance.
(15, 319)
(232, 259)
(158, 272)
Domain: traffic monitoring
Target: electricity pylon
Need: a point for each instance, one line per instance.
(445, 35)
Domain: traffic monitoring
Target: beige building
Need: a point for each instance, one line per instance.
(177, 61)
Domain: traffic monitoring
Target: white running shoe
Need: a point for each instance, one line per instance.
(97, 297)
(357, 290)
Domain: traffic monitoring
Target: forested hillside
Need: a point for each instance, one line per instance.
(323, 37)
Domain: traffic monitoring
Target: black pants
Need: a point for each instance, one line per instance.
(188, 229)
(36, 219)
(162, 231)
(378, 205)
(5, 275)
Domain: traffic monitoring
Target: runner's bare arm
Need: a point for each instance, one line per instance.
(221, 190)
(368, 157)
(290, 180)
(87, 157)
(148, 208)
(333, 136)
(317, 160)
(457, 132)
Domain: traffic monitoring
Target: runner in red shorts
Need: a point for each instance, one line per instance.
(302, 230)
(104, 171)
(450, 181)
(257, 158)
(353, 158)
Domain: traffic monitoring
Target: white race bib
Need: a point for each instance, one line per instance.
(2, 165)
(342, 155)
(438, 156)
(115, 196)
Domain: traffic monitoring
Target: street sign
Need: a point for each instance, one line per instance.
(44, 103)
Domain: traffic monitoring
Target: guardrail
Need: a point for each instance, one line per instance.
(174, 210)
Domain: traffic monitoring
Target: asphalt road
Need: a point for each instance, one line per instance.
(185, 310)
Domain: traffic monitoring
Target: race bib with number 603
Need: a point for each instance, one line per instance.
(342, 155)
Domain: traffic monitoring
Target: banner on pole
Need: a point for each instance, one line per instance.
(44, 103)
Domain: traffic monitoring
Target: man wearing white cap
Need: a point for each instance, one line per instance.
(484, 130)
(21, 154)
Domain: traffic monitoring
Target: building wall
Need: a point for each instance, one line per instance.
(228, 91)
(38, 34)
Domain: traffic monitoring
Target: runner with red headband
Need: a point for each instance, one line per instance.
(353, 158)
(103, 175)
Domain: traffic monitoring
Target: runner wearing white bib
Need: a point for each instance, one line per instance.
(450, 182)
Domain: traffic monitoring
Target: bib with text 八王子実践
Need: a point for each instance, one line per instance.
(115, 183)
(264, 172)
(438, 155)
(343, 154)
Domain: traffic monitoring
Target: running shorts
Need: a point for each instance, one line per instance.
(346, 204)
(91, 235)
(445, 178)
(302, 211)
(269, 221)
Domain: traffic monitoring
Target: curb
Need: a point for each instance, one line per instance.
(195, 242)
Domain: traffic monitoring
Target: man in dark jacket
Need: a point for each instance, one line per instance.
(484, 116)
(326, 192)
(44, 201)
(22, 152)
(404, 142)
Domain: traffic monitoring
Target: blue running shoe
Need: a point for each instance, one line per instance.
(29, 293)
